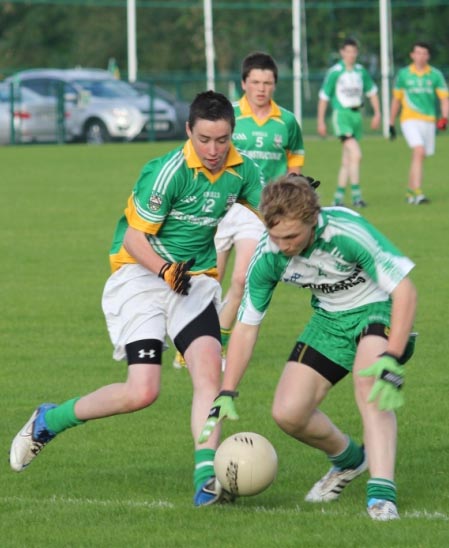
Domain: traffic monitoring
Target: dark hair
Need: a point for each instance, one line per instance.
(259, 60)
(210, 105)
(350, 42)
(422, 44)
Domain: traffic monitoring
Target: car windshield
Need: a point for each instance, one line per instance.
(107, 88)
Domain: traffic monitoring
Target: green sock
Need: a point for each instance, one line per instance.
(380, 488)
(339, 195)
(62, 417)
(356, 193)
(351, 457)
(204, 466)
(225, 335)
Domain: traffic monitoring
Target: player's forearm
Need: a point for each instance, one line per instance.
(240, 349)
(137, 245)
(402, 316)
(444, 107)
(321, 113)
(374, 100)
(394, 109)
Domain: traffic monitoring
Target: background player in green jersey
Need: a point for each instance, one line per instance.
(345, 85)
(158, 289)
(414, 93)
(363, 311)
(272, 137)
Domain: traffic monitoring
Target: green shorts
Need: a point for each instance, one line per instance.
(336, 334)
(347, 122)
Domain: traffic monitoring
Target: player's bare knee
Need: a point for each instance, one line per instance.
(142, 384)
(288, 420)
(141, 397)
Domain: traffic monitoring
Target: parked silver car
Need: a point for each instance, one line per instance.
(35, 117)
(98, 108)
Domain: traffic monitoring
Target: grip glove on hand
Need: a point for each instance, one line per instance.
(389, 382)
(442, 124)
(222, 408)
(392, 131)
(177, 275)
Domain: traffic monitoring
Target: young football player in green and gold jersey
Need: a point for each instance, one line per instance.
(272, 137)
(164, 283)
(414, 93)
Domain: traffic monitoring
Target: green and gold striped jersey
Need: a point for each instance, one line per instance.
(274, 143)
(178, 203)
(349, 264)
(416, 90)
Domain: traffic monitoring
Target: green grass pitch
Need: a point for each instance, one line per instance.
(127, 481)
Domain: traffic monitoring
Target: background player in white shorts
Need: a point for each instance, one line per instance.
(272, 137)
(414, 93)
(157, 288)
(363, 311)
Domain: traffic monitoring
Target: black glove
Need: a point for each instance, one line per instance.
(313, 182)
(177, 275)
(392, 131)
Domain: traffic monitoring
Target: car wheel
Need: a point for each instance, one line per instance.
(96, 133)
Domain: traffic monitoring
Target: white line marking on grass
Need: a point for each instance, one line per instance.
(411, 514)
(95, 502)
(164, 504)
(423, 514)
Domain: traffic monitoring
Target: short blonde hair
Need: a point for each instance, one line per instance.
(290, 196)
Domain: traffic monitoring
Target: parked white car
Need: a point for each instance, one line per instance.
(98, 108)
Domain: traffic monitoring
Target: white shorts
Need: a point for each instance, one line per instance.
(239, 223)
(139, 305)
(419, 133)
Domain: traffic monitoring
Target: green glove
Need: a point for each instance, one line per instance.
(223, 408)
(389, 382)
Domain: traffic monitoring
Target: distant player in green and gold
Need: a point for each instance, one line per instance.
(345, 85)
(163, 283)
(272, 137)
(414, 94)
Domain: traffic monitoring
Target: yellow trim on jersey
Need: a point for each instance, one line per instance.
(193, 162)
(294, 160)
(414, 70)
(275, 111)
(408, 113)
(117, 260)
(136, 221)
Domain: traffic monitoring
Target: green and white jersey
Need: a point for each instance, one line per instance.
(349, 264)
(346, 88)
(275, 143)
(178, 203)
(417, 90)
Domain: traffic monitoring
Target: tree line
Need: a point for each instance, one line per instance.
(171, 40)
